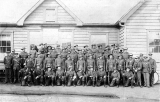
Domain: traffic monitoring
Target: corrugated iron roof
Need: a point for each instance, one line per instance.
(88, 11)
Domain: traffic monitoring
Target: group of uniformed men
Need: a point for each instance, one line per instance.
(112, 66)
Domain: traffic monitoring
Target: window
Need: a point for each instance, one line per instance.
(50, 15)
(154, 42)
(5, 43)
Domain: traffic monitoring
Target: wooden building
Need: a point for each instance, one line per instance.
(131, 23)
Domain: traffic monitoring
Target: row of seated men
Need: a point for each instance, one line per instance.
(76, 67)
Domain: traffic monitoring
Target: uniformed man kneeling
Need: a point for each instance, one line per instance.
(50, 77)
(128, 78)
(91, 77)
(70, 77)
(38, 76)
(60, 76)
(115, 77)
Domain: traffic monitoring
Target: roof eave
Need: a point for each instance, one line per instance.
(130, 12)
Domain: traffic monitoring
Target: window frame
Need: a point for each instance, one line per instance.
(11, 35)
(46, 12)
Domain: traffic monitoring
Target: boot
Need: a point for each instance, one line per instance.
(83, 83)
(93, 83)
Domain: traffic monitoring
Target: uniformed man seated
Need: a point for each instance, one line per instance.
(115, 77)
(128, 78)
(38, 76)
(70, 77)
(91, 76)
(26, 77)
(60, 76)
(50, 77)
(80, 71)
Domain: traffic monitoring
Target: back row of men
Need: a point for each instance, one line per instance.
(111, 66)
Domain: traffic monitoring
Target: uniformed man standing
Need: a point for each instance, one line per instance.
(94, 49)
(23, 56)
(33, 53)
(120, 67)
(110, 65)
(137, 69)
(101, 74)
(116, 53)
(115, 77)
(58, 49)
(64, 54)
(8, 65)
(146, 69)
(90, 63)
(16, 67)
(74, 57)
(130, 62)
(107, 52)
(153, 68)
(54, 53)
(39, 61)
(100, 49)
(59, 62)
(49, 62)
(69, 63)
(125, 54)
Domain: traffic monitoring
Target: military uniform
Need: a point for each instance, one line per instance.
(33, 53)
(16, 67)
(115, 77)
(94, 49)
(90, 64)
(8, 67)
(38, 76)
(29, 63)
(137, 69)
(60, 77)
(58, 49)
(106, 54)
(130, 63)
(74, 57)
(26, 77)
(128, 77)
(69, 64)
(50, 77)
(110, 65)
(146, 69)
(49, 62)
(116, 53)
(23, 56)
(90, 77)
(121, 67)
(81, 66)
(70, 78)
(39, 61)
(59, 62)
(54, 54)
(153, 69)
(125, 54)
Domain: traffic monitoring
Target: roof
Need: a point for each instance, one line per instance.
(87, 11)
(12, 10)
(100, 11)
